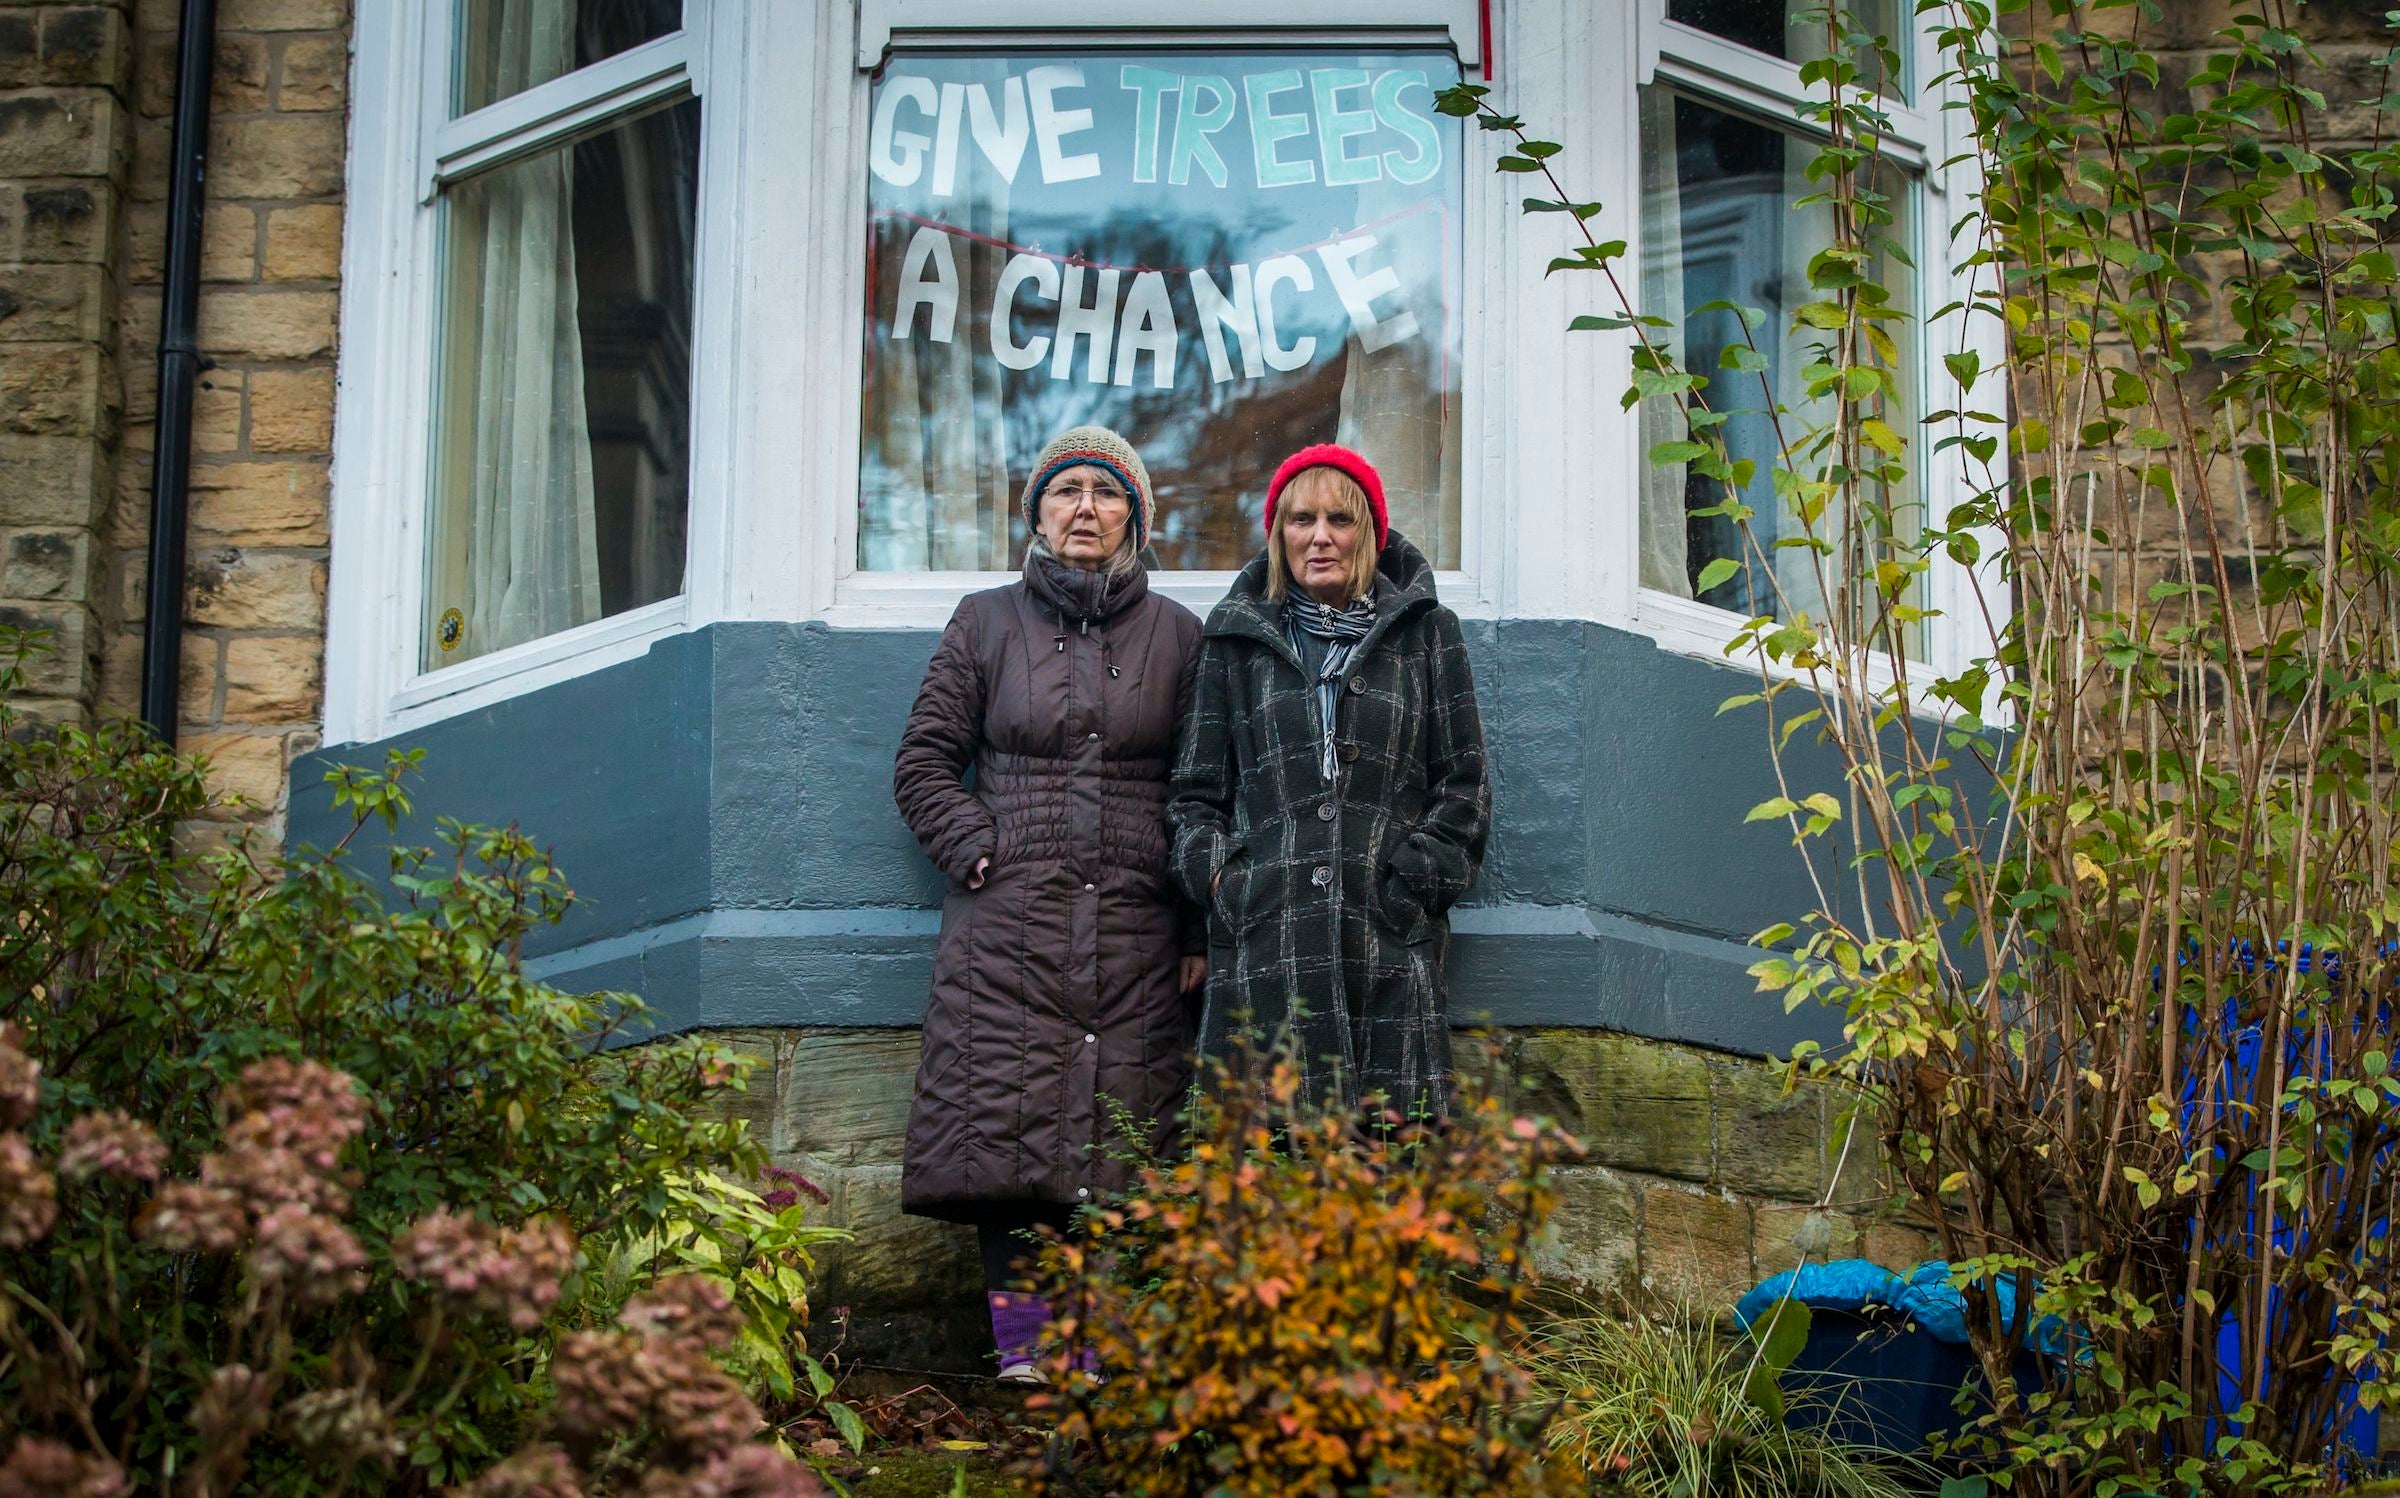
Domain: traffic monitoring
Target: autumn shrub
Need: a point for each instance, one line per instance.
(298, 1178)
(1300, 1304)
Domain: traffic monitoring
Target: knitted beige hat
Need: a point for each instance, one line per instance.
(1101, 448)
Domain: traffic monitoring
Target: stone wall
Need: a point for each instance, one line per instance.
(86, 92)
(66, 145)
(1701, 1172)
(270, 263)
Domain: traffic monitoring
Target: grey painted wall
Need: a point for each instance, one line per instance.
(722, 806)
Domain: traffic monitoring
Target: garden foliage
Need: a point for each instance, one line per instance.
(1310, 1303)
(2107, 901)
(298, 1188)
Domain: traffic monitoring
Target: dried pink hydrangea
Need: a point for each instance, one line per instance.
(511, 1274)
(20, 1081)
(694, 1307)
(539, 1471)
(41, 1468)
(310, 1087)
(349, 1427)
(748, 1471)
(28, 1194)
(232, 1408)
(187, 1216)
(313, 1257)
(613, 1383)
(264, 1177)
(790, 1186)
(112, 1143)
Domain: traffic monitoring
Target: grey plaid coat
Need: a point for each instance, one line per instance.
(1332, 909)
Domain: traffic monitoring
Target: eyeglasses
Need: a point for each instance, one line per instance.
(1101, 498)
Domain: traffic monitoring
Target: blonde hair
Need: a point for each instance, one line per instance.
(1332, 489)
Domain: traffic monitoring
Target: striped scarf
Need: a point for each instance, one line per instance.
(1342, 629)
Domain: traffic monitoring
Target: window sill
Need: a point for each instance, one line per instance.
(925, 600)
(430, 696)
(1681, 626)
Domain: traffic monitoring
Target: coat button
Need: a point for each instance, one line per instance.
(1087, 889)
(1357, 684)
(1321, 876)
(1083, 1191)
(1326, 813)
(1091, 1040)
(1095, 738)
(1349, 753)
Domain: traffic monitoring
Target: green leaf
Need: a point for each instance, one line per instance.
(1781, 1333)
(1715, 573)
(1678, 452)
(1771, 808)
(845, 1420)
(1966, 1487)
(818, 1379)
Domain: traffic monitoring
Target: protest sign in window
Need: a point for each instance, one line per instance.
(1224, 255)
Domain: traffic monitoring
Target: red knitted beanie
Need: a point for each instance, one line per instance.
(1331, 455)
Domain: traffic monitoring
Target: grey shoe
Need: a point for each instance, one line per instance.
(1023, 1373)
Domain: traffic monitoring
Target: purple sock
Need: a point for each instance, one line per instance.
(1017, 1323)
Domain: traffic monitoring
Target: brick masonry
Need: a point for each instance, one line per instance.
(86, 92)
(1702, 1171)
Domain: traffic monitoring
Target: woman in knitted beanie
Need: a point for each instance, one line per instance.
(1059, 981)
(1330, 802)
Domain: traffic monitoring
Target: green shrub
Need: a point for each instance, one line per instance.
(1303, 1306)
(292, 1182)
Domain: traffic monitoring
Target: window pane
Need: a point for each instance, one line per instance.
(1225, 256)
(1724, 220)
(1790, 29)
(507, 46)
(564, 446)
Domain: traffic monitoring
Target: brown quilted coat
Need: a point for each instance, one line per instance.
(1054, 983)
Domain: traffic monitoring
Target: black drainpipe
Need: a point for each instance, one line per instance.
(179, 368)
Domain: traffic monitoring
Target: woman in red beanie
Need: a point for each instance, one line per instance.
(1329, 802)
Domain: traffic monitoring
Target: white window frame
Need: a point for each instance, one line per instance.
(405, 147)
(1924, 140)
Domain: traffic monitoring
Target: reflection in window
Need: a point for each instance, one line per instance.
(1724, 219)
(505, 47)
(1223, 256)
(1794, 30)
(561, 470)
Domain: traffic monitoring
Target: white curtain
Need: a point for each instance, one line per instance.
(517, 556)
(1663, 485)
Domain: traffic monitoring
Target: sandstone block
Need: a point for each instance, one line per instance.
(754, 1104)
(228, 242)
(1636, 1104)
(283, 15)
(315, 74)
(1593, 1240)
(196, 683)
(21, 49)
(68, 132)
(48, 480)
(1769, 1142)
(51, 389)
(291, 411)
(53, 303)
(1897, 1246)
(260, 504)
(846, 1095)
(281, 679)
(229, 588)
(64, 668)
(1695, 1246)
(268, 325)
(245, 765)
(83, 44)
(59, 222)
(121, 675)
(1789, 1234)
(217, 412)
(47, 564)
(276, 156)
(304, 243)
